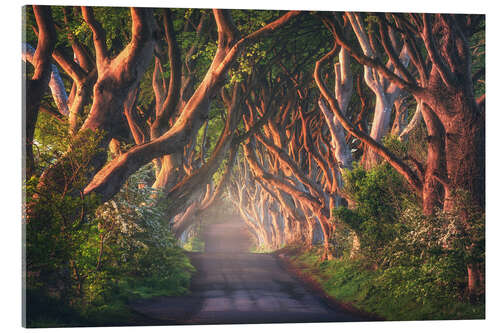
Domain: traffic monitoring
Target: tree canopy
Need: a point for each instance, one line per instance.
(311, 124)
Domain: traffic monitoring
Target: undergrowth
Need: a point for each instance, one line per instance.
(399, 293)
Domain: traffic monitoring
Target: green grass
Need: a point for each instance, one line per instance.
(260, 249)
(370, 290)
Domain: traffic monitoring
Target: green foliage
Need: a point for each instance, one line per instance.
(248, 21)
(377, 194)
(194, 241)
(116, 21)
(57, 213)
(50, 141)
(94, 261)
(138, 251)
(412, 266)
(478, 54)
(261, 249)
(398, 293)
(246, 62)
(396, 146)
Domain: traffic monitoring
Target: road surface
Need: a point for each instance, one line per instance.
(233, 286)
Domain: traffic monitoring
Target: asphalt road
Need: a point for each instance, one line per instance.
(233, 286)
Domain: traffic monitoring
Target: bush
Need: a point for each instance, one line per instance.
(379, 196)
(58, 223)
(96, 260)
(136, 246)
(400, 292)
(419, 262)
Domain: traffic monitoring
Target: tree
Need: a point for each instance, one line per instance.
(36, 86)
(443, 85)
(272, 108)
(178, 115)
(448, 65)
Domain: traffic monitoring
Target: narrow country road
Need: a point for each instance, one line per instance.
(234, 286)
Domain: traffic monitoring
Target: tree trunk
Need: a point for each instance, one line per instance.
(116, 78)
(473, 281)
(435, 168)
(380, 127)
(464, 141)
(36, 86)
(109, 180)
(343, 93)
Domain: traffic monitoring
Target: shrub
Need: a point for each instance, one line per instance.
(379, 195)
(420, 259)
(135, 244)
(102, 255)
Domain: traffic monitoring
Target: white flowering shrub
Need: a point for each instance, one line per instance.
(431, 253)
(135, 251)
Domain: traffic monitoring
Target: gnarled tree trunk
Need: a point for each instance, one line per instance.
(36, 86)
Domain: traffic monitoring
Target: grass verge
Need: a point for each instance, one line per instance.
(369, 291)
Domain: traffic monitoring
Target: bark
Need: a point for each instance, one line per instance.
(37, 84)
(294, 169)
(189, 186)
(279, 241)
(56, 84)
(253, 198)
(83, 81)
(311, 203)
(168, 167)
(224, 181)
(385, 92)
(395, 162)
(166, 107)
(137, 130)
(445, 87)
(108, 181)
(450, 95)
(464, 145)
(401, 116)
(185, 220)
(284, 159)
(343, 93)
(187, 189)
(245, 197)
(435, 164)
(116, 78)
(415, 120)
(473, 281)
